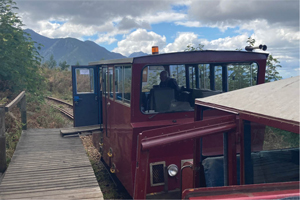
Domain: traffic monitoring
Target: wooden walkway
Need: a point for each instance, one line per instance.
(47, 166)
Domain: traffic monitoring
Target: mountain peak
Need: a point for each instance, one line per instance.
(71, 50)
(137, 54)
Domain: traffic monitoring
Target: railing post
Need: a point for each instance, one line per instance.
(2, 140)
(23, 113)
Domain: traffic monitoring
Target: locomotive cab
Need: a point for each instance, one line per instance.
(133, 102)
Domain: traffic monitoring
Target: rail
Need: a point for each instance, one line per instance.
(60, 101)
(21, 100)
(63, 111)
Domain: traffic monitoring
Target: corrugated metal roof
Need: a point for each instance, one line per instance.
(279, 99)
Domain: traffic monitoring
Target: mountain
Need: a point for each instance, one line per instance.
(71, 50)
(137, 54)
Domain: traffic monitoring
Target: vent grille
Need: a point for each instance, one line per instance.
(157, 173)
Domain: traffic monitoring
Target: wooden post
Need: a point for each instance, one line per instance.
(23, 113)
(2, 140)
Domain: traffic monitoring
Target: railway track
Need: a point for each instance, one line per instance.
(64, 107)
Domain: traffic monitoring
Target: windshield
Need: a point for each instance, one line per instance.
(174, 88)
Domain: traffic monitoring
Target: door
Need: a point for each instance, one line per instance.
(86, 99)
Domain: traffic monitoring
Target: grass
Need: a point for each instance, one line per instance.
(279, 139)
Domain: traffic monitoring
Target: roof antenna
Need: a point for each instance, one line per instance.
(250, 48)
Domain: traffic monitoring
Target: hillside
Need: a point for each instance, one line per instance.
(137, 54)
(71, 50)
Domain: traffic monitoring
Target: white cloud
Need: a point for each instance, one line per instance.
(140, 40)
(232, 13)
(181, 42)
(159, 17)
(105, 38)
(189, 23)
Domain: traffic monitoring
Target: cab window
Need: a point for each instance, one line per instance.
(174, 88)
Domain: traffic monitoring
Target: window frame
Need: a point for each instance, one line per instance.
(123, 101)
(186, 66)
(92, 82)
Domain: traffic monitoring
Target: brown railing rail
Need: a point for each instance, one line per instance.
(21, 99)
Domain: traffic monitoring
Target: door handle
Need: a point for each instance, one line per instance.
(108, 103)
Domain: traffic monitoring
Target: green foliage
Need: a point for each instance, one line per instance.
(279, 139)
(51, 63)
(272, 65)
(63, 65)
(271, 71)
(13, 130)
(19, 58)
(251, 41)
(190, 47)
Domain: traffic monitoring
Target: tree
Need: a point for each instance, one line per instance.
(272, 65)
(63, 65)
(190, 47)
(19, 58)
(51, 63)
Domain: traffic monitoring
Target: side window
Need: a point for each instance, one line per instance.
(123, 84)
(178, 72)
(192, 77)
(119, 83)
(242, 75)
(84, 80)
(127, 84)
(150, 77)
(111, 85)
(107, 82)
(218, 78)
(100, 79)
(104, 81)
(204, 76)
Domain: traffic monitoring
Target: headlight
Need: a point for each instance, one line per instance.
(172, 170)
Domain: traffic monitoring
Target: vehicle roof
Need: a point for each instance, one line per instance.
(278, 99)
(166, 55)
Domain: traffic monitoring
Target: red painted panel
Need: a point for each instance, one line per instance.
(255, 195)
(187, 176)
(254, 191)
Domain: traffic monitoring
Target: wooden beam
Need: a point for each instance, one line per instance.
(9, 106)
(23, 112)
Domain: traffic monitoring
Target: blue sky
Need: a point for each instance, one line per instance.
(132, 26)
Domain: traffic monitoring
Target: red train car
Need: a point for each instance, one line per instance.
(273, 171)
(145, 94)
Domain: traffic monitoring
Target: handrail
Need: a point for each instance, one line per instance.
(21, 99)
(9, 106)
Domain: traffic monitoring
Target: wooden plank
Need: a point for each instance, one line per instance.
(47, 184)
(62, 193)
(75, 130)
(47, 178)
(9, 106)
(46, 188)
(47, 166)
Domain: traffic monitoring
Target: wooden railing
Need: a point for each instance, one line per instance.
(21, 99)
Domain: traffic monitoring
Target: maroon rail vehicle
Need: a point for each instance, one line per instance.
(138, 113)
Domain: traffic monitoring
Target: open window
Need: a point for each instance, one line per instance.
(123, 84)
